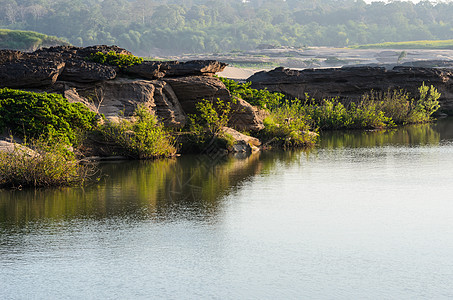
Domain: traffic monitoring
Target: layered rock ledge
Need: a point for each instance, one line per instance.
(351, 83)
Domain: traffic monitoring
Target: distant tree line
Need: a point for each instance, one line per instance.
(147, 27)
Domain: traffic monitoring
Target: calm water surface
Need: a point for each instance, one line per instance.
(362, 216)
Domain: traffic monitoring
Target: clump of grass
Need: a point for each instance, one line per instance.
(402, 109)
(47, 165)
(142, 137)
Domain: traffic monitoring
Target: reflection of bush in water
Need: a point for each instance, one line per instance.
(189, 187)
(423, 134)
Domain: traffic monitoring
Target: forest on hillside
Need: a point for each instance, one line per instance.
(151, 27)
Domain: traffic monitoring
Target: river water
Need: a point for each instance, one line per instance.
(364, 215)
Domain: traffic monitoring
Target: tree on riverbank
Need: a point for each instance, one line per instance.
(147, 27)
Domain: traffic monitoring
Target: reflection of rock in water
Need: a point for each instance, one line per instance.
(445, 127)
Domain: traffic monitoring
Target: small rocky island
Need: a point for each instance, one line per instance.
(351, 83)
(101, 101)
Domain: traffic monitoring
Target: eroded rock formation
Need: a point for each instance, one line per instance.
(169, 89)
(353, 82)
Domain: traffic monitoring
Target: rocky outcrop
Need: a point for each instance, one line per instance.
(30, 73)
(192, 68)
(169, 89)
(79, 52)
(120, 97)
(246, 117)
(167, 106)
(155, 69)
(242, 143)
(9, 55)
(192, 89)
(9, 146)
(123, 96)
(353, 82)
(86, 71)
(148, 70)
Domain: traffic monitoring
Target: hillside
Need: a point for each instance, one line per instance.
(27, 40)
(175, 27)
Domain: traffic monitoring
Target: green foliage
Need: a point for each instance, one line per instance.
(143, 137)
(290, 121)
(31, 115)
(212, 26)
(50, 164)
(27, 40)
(114, 59)
(206, 127)
(396, 104)
(287, 127)
(261, 98)
(332, 114)
(212, 116)
(428, 102)
(402, 109)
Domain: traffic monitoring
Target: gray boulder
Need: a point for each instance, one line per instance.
(192, 68)
(86, 71)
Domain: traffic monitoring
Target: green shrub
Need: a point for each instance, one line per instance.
(52, 164)
(114, 59)
(402, 109)
(287, 127)
(212, 117)
(206, 128)
(395, 104)
(428, 102)
(261, 98)
(290, 121)
(142, 138)
(31, 115)
(331, 114)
